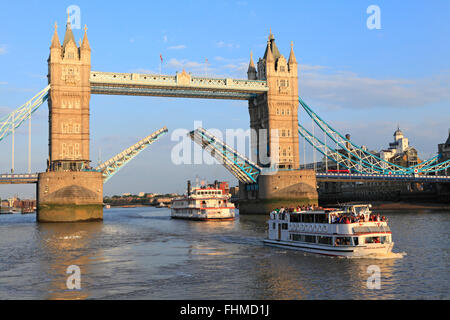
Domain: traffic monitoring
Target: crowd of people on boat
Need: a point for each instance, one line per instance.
(297, 209)
(346, 219)
(336, 217)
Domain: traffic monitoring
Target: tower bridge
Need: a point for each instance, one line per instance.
(71, 190)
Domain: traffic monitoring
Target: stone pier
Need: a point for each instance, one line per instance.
(282, 189)
(69, 196)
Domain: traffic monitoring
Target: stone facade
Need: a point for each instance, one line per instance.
(69, 196)
(275, 111)
(274, 123)
(67, 192)
(281, 189)
(69, 68)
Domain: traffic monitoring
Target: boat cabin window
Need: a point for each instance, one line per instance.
(303, 238)
(375, 240)
(309, 218)
(320, 218)
(325, 240)
(355, 241)
(343, 241)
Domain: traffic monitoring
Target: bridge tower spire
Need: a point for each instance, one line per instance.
(277, 109)
(69, 72)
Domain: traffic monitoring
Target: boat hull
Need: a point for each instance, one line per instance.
(343, 251)
(203, 219)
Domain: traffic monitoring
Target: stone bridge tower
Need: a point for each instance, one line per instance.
(270, 113)
(277, 110)
(69, 68)
(69, 191)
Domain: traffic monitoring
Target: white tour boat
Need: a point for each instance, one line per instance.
(351, 231)
(203, 203)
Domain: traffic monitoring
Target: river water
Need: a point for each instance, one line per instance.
(140, 253)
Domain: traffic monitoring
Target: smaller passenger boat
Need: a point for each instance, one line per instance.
(203, 203)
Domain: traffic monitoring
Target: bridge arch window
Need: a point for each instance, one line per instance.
(63, 149)
(77, 150)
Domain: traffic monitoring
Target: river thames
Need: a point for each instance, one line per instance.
(141, 253)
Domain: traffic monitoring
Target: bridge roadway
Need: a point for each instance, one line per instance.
(18, 178)
(180, 85)
(25, 178)
(352, 177)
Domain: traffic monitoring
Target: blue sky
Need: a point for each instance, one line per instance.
(362, 81)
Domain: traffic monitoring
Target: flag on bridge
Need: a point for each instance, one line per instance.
(160, 56)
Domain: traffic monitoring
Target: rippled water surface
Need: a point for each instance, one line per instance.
(140, 253)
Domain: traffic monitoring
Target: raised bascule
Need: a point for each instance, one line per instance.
(71, 190)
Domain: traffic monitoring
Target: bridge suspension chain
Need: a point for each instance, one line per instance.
(368, 159)
(13, 120)
(332, 154)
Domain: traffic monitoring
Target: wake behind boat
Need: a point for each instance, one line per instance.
(351, 231)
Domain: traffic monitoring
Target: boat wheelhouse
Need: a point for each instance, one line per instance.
(203, 203)
(351, 230)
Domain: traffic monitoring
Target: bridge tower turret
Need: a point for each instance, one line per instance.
(273, 117)
(67, 192)
(69, 68)
(276, 110)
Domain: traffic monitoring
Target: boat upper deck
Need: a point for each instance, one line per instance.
(344, 221)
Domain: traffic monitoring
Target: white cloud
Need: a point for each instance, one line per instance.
(184, 64)
(2, 49)
(3, 83)
(240, 67)
(178, 47)
(307, 67)
(339, 89)
(222, 44)
(165, 39)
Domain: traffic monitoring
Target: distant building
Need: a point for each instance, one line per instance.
(444, 151)
(150, 195)
(400, 152)
(234, 191)
(126, 194)
(141, 194)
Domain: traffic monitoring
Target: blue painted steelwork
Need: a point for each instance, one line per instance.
(113, 165)
(13, 120)
(168, 92)
(369, 162)
(380, 177)
(241, 167)
(333, 154)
